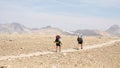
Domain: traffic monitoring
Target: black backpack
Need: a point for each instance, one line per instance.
(57, 41)
(79, 39)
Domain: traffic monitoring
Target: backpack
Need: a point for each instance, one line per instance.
(79, 39)
(57, 41)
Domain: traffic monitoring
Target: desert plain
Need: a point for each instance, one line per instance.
(18, 44)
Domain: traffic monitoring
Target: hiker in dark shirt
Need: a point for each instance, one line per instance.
(80, 41)
(58, 43)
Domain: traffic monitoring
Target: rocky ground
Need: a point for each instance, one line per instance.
(105, 57)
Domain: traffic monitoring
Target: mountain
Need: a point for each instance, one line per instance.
(87, 32)
(48, 30)
(10, 28)
(114, 30)
(102, 33)
(13, 28)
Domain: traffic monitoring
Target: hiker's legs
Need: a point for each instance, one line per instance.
(78, 46)
(56, 48)
(59, 48)
(81, 46)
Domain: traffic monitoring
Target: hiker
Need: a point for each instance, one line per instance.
(58, 43)
(80, 41)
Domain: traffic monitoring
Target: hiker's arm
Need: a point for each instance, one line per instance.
(77, 39)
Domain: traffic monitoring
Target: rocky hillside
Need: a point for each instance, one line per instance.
(114, 30)
(92, 32)
(50, 31)
(13, 28)
(16, 28)
(10, 28)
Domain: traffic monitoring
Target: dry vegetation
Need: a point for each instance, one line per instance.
(106, 57)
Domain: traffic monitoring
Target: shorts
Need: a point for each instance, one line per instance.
(80, 42)
(58, 45)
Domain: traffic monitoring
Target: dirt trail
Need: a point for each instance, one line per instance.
(13, 57)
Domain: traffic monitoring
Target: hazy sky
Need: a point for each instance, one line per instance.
(65, 14)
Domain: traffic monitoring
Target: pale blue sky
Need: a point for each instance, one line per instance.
(65, 14)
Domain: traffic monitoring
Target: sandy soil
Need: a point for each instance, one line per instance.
(105, 57)
(19, 44)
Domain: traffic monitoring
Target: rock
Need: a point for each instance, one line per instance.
(3, 66)
(10, 40)
(21, 48)
(75, 65)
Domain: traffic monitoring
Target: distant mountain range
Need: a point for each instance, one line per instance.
(88, 32)
(49, 30)
(114, 30)
(10, 28)
(16, 28)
